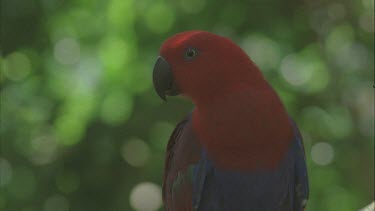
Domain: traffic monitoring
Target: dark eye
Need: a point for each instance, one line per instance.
(190, 53)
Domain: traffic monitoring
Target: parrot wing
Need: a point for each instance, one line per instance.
(185, 171)
(301, 178)
(193, 182)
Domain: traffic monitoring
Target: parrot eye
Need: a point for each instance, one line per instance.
(190, 53)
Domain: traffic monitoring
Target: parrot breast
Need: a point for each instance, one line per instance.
(245, 130)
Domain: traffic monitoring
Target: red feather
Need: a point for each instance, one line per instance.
(238, 115)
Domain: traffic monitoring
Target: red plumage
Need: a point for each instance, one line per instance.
(239, 149)
(232, 107)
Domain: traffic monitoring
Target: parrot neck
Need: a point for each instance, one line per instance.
(244, 130)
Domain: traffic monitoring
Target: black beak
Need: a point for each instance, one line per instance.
(163, 79)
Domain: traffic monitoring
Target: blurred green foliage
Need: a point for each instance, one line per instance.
(82, 129)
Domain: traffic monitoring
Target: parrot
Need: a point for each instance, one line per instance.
(238, 149)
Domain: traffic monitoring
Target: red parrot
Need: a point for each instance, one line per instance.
(238, 150)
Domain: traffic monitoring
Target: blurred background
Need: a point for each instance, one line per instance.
(82, 128)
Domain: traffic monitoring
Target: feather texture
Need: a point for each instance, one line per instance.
(193, 182)
(238, 150)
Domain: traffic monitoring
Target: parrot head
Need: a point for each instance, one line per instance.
(231, 98)
(201, 65)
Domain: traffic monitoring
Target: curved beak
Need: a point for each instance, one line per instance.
(163, 79)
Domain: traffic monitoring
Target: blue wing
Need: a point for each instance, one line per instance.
(185, 169)
(301, 178)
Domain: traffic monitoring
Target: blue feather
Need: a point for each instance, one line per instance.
(284, 188)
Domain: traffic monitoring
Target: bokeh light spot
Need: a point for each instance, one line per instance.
(5, 172)
(338, 37)
(116, 107)
(116, 54)
(121, 13)
(43, 149)
(159, 18)
(56, 203)
(322, 153)
(135, 152)
(16, 66)
(306, 70)
(67, 51)
(87, 76)
(338, 122)
(294, 71)
(263, 51)
(69, 129)
(344, 51)
(146, 196)
(310, 116)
